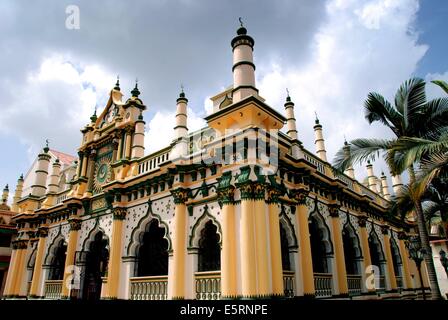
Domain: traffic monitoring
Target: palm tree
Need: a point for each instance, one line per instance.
(411, 116)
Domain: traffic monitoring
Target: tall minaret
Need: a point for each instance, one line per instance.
(5, 196)
(350, 171)
(319, 141)
(291, 126)
(138, 142)
(384, 186)
(180, 130)
(397, 184)
(53, 186)
(17, 194)
(243, 65)
(371, 177)
(39, 187)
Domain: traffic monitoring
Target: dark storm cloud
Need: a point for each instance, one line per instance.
(163, 43)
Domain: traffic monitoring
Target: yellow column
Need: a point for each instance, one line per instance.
(261, 242)
(339, 251)
(113, 275)
(85, 160)
(18, 279)
(389, 261)
(365, 247)
(405, 261)
(247, 243)
(275, 244)
(37, 273)
(75, 226)
(177, 280)
(11, 272)
(304, 242)
(128, 143)
(228, 251)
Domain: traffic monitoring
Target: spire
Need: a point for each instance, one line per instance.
(46, 149)
(319, 140)
(290, 118)
(17, 194)
(94, 117)
(384, 186)
(243, 66)
(5, 198)
(180, 148)
(371, 177)
(350, 171)
(117, 84)
(135, 92)
(316, 121)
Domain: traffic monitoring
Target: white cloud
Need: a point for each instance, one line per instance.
(363, 46)
(160, 132)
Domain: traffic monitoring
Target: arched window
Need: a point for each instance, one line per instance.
(352, 253)
(58, 261)
(153, 253)
(319, 245)
(286, 262)
(376, 252)
(209, 249)
(96, 266)
(396, 258)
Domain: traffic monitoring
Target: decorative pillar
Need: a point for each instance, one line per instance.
(405, 261)
(91, 173)
(75, 226)
(303, 235)
(275, 242)
(177, 276)
(389, 261)
(129, 131)
(17, 194)
(12, 271)
(20, 267)
(37, 273)
(247, 242)
(362, 220)
(261, 241)
(113, 276)
(120, 137)
(85, 161)
(80, 164)
(339, 250)
(229, 250)
(138, 142)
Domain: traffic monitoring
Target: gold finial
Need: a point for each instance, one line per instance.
(241, 21)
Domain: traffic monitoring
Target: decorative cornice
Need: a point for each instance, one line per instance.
(119, 213)
(226, 195)
(334, 210)
(402, 236)
(75, 224)
(180, 195)
(362, 220)
(299, 195)
(385, 230)
(42, 232)
(20, 244)
(273, 194)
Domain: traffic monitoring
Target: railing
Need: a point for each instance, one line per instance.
(288, 283)
(149, 288)
(323, 285)
(354, 284)
(53, 289)
(152, 162)
(62, 196)
(311, 159)
(345, 179)
(366, 191)
(208, 285)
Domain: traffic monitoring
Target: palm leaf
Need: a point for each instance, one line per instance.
(409, 100)
(377, 108)
(442, 84)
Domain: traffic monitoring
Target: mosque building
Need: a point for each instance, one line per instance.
(236, 210)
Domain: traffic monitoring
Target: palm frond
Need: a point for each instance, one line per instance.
(442, 84)
(409, 100)
(377, 108)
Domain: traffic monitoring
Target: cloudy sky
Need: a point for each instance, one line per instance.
(329, 54)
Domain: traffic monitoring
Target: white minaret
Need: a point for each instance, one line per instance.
(53, 186)
(138, 141)
(371, 177)
(384, 186)
(243, 65)
(350, 171)
(39, 187)
(180, 147)
(291, 126)
(397, 184)
(319, 141)
(17, 194)
(5, 196)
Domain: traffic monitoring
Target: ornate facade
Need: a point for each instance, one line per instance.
(238, 209)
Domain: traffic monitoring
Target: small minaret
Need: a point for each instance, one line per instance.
(384, 186)
(180, 130)
(290, 119)
(397, 184)
(53, 186)
(243, 65)
(138, 142)
(5, 196)
(371, 177)
(17, 194)
(319, 141)
(43, 160)
(350, 171)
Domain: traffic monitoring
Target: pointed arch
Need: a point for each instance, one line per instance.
(375, 242)
(353, 235)
(352, 249)
(316, 217)
(92, 234)
(138, 232)
(286, 223)
(195, 234)
(52, 246)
